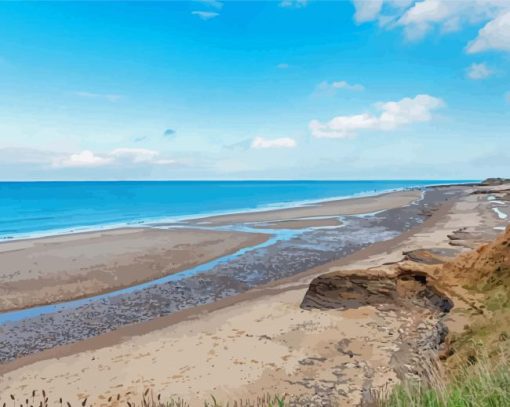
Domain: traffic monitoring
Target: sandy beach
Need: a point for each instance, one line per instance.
(61, 268)
(352, 206)
(262, 340)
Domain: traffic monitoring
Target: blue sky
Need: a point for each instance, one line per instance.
(255, 90)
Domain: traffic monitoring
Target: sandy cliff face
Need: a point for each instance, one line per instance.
(481, 280)
(489, 264)
(419, 279)
(391, 291)
(428, 284)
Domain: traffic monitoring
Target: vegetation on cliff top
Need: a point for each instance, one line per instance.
(480, 384)
(479, 370)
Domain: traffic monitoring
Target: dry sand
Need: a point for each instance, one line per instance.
(257, 342)
(54, 269)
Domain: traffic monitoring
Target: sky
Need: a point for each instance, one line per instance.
(292, 89)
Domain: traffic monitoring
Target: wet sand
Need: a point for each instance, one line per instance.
(352, 206)
(61, 268)
(300, 223)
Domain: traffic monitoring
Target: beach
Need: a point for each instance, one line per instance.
(252, 325)
(62, 268)
(352, 206)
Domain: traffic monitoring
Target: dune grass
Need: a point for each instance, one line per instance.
(480, 383)
(40, 398)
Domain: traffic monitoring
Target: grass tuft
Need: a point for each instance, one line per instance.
(479, 383)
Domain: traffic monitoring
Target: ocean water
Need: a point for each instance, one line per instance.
(43, 208)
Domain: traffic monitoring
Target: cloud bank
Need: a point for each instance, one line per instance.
(418, 18)
(119, 156)
(392, 115)
(494, 36)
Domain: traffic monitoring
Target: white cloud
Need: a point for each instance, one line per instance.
(448, 15)
(119, 156)
(293, 3)
(370, 10)
(494, 36)
(332, 87)
(284, 142)
(205, 15)
(392, 115)
(282, 66)
(478, 71)
(418, 18)
(110, 97)
(367, 10)
(85, 158)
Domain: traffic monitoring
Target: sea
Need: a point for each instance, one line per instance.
(33, 209)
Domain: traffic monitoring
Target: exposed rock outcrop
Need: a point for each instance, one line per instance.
(382, 287)
(431, 255)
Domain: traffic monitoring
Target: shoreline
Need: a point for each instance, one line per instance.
(297, 251)
(297, 281)
(319, 209)
(175, 220)
(62, 245)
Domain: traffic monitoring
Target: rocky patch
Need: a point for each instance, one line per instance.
(381, 288)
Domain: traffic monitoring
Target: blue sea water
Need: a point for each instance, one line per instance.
(41, 208)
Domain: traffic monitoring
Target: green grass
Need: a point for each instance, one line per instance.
(479, 384)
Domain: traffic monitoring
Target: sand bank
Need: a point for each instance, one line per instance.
(352, 206)
(61, 268)
(301, 223)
